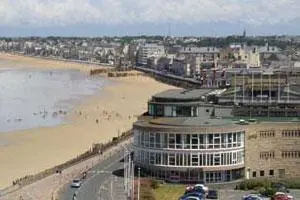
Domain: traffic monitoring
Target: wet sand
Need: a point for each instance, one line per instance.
(99, 118)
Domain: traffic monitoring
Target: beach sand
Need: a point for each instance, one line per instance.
(115, 108)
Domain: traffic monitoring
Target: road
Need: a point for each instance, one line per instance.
(101, 182)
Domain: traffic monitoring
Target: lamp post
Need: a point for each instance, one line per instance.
(139, 176)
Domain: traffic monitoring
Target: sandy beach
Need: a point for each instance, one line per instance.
(115, 108)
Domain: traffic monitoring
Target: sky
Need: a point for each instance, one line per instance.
(148, 17)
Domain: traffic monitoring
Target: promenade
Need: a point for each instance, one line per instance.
(50, 187)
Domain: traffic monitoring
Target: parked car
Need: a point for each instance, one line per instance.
(252, 197)
(192, 198)
(200, 189)
(192, 194)
(212, 194)
(76, 183)
(282, 196)
(205, 188)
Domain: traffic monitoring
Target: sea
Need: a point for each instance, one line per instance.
(31, 98)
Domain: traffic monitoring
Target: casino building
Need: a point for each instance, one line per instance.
(185, 138)
(179, 139)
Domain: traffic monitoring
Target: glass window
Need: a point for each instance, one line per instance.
(223, 140)
(171, 159)
(194, 141)
(195, 160)
(210, 141)
(178, 141)
(165, 159)
(171, 141)
(216, 141)
(200, 160)
(157, 140)
(239, 139)
(262, 173)
(152, 140)
(158, 159)
(204, 159)
(187, 160)
(152, 158)
(202, 141)
(146, 139)
(229, 140)
(187, 141)
(179, 159)
(165, 140)
(217, 159)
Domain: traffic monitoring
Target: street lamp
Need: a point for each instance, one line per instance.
(139, 176)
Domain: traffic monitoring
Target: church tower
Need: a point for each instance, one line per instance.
(244, 33)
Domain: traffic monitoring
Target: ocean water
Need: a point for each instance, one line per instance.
(31, 98)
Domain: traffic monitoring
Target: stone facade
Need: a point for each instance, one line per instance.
(272, 150)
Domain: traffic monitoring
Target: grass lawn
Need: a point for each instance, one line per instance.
(169, 191)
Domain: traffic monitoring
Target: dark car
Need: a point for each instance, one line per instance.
(212, 194)
(199, 189)
(192, 194)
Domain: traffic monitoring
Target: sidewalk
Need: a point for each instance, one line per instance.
(49, 187)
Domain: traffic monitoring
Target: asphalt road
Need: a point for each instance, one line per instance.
(101, 182)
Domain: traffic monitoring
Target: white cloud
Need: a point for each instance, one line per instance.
(68, 12)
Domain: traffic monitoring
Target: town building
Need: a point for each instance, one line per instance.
(187, 136)
(149, 50)
(179, 140)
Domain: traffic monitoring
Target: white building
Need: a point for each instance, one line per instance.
(179, 142)
(149, 50)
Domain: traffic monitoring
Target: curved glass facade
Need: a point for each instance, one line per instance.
(183, 151)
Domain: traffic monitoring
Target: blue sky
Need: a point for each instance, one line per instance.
(135, 17)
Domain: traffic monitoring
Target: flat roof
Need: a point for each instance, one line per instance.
(182, 94)
(192, 121)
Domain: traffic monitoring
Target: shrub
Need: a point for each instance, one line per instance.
(267, 191)
(254, 184)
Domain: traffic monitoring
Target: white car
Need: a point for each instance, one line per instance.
(76, 183)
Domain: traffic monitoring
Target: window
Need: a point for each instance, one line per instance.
(194, 141)
(217, 159)
(157, 140)
(171, 141)
(171, 159)
(229, 140)
(271, 172)
(152, 158)
(262, 173)
(179, 159)
(195, 160)
(152, 139)
(254, 174)
(178, 141)
(202, 141)
(265, 155)
(187, 141)
(216, 141)
(210, 141)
